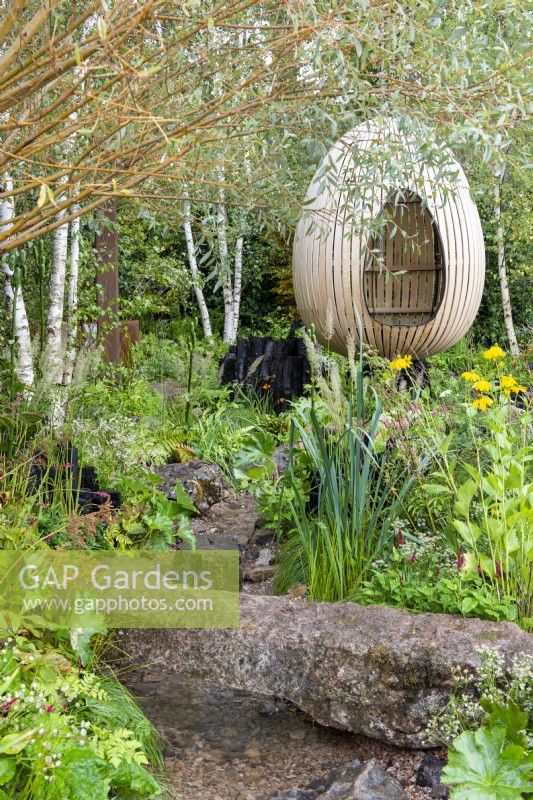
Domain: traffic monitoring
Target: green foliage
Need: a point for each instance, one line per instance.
(121, 429)
(516, 217)
(498, 694)
(472, 489)
(360, 492)
(425, 584)
(483, 767)
(491, 510)
(65, 732)
(155, 358)
(238, 436)
(154, 278)
(149, 519)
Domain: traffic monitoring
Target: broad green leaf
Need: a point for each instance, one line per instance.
(483, 768)
(509, 716)
(469, 532)
(468, 604)
(464, 496)
(8, 767)
(15, 742)
(183, 500)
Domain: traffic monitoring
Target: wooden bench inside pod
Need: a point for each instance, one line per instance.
(404, 275)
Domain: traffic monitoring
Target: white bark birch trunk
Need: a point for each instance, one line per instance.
(237, 285)
(53, 359)
(193, 265)
(225, 272)
(224, 266)
(502, 270)
(239, 246)
(15, 299)
(72, 302)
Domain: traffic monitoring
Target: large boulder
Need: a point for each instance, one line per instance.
(356, 781)
(378, 671)
(204, 483)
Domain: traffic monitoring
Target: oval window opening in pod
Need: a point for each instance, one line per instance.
(404, 271)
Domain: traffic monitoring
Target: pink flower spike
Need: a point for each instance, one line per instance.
(8, 704)
(49, 709)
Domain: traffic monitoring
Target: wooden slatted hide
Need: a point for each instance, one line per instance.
(404, 263)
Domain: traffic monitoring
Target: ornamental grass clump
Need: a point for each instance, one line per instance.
(360, 494)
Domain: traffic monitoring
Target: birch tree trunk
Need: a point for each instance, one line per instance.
(225, 272)
(193, 265)
(53, 360)
(239, 247)
(15, 299)
(502, 270)
(221, 218)
(72, 302)
(236, 289)
(237, 284)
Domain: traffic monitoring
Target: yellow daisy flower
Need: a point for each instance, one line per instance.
(507, 381)
(516, 388)
(482, 402)
(470, 376)
(481, 386)
(401, 362)
(494, 353)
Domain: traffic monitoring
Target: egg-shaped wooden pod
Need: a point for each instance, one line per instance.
(389, 244)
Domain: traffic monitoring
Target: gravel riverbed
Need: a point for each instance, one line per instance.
(221, 744)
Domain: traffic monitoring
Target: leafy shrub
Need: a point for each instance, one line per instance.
(65, 732)
(410, 578)
(132, 398)
(471, 459)
(121, 429)
(149, 519)
(489, 517)
(156, 358)
(488, 726)
(238, 436)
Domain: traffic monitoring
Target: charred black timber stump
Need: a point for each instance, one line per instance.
(273, 368)
(416, 377)
(80, 484)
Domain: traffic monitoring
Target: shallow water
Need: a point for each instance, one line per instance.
(222, 744)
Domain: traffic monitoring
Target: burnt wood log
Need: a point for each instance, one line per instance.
(277, 369)
(80, 485)
(415, 378)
